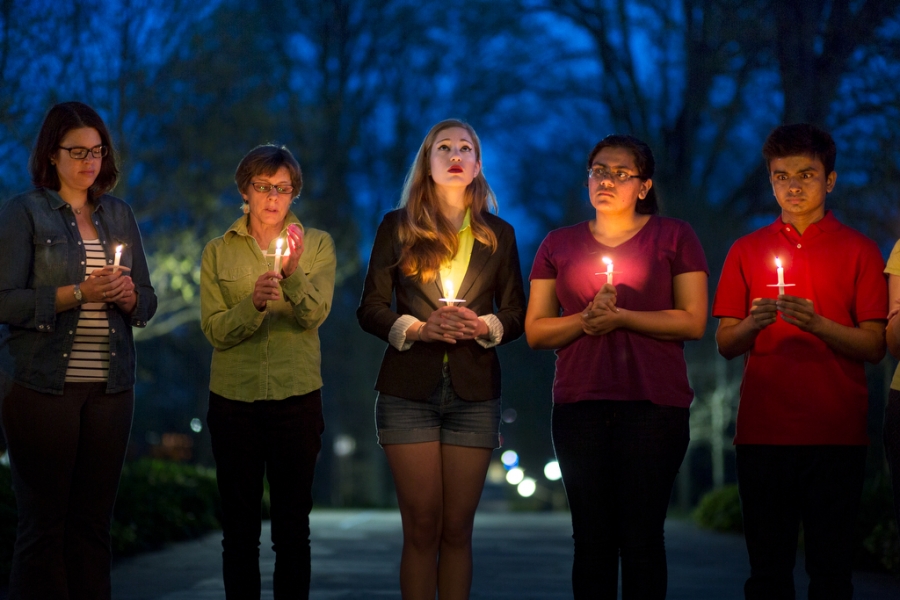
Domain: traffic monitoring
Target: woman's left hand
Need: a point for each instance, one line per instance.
(467, 324)
(599, 319)
(295, 250)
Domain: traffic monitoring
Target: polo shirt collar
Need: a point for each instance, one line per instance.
(827, 223)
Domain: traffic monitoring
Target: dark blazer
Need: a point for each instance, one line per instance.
(492, 284)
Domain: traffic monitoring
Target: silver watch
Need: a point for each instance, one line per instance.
(79, 297)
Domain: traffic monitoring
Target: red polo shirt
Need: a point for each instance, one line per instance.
(796, 390)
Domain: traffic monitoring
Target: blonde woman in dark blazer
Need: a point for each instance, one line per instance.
(438, 407)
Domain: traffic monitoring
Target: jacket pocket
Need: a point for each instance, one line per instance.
(236, 284)
(51, 258)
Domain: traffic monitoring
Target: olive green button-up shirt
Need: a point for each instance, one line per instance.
(273, 354)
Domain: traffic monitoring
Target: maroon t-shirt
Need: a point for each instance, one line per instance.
(623, 364)
(797, 390)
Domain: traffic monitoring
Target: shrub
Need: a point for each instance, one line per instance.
(720, 510)
(161, 501)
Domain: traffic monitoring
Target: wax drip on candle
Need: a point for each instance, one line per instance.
(609, 269)
(780, 272)
(278, 244)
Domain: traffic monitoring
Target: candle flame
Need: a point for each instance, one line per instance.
(278, 243)
(777, 262)
(119, 248)
(448, 288)
(607, 260)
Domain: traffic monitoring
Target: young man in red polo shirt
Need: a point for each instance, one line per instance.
(801, 427)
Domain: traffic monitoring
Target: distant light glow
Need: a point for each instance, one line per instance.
(510, 459)
(196, 425)
(515, 476)
(552, 472)
(509, 415)
(344, 445)
(527, 487)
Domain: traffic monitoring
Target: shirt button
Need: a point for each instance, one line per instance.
(799, 245)
(73, 224)
(65, 355)
(70, 333)
(82, 262)
(48, 241)
(112, 330)
(112, 353)
(79, 243)
(788, 228)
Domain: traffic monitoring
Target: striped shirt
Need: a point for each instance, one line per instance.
(89, 360)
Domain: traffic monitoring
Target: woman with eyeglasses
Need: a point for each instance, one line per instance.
(443, 289)
(73, 283)
(265, 289)
(616, 297)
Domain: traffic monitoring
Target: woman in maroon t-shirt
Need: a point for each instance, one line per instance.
(632, 287)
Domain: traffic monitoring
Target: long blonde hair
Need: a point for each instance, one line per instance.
(427, 238)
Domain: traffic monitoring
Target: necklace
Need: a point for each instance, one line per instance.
(78, 210)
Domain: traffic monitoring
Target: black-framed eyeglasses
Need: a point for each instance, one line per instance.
(80, 152)
(265, 188)
(601, 173)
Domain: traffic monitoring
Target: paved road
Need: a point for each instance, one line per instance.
(517, 555)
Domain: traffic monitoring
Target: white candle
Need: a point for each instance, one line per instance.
(278, 244)
(118, 258)
(448, 289)
(609, 269)
(780, 276)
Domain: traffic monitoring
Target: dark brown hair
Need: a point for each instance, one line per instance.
(266, 160)
(643, 160)
(427, 238)
(60, 120)
(800, 139)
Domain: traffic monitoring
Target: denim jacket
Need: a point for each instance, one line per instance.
(40, 251)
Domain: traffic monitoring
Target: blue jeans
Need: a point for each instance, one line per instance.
(781, 486)
(619, 460)
(278, 439)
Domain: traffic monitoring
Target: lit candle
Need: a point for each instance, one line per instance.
(278, 244)
(118, 258)
(780, 276)
(609, 269)
(448, 289)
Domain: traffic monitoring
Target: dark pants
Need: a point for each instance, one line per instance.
(892, 445)
(278, 439)
(619, 461)
(66, 454)
(782, 486)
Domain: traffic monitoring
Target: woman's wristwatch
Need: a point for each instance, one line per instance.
(79, 297)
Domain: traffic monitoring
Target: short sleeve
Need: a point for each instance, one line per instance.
(544, 267)
(690, 256)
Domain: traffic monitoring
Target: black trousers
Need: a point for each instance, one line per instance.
(782, 486)
(66, 454)
(619, 461)
(278, 439)
(892, 445)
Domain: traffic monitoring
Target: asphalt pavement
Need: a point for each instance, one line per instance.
(356, 555)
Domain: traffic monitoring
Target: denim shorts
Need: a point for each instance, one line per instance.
(443, 417)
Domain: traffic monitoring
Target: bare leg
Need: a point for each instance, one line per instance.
(464, 470)
(416, 469)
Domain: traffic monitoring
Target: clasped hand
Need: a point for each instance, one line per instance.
(602, 315)
(452, 323)
(110, 284)
(796, 311)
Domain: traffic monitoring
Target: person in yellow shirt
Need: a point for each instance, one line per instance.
(266, 287)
